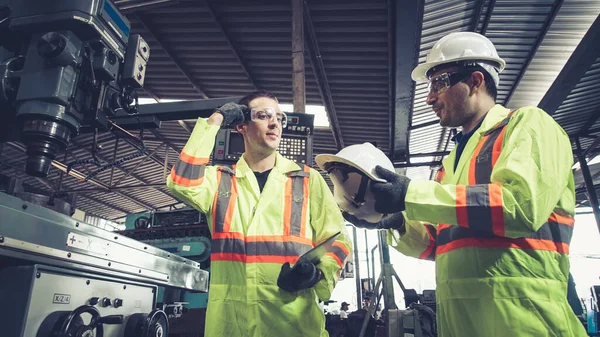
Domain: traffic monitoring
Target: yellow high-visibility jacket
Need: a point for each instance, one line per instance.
(499, 229)
(254, 233)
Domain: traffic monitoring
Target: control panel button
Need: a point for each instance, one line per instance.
(105, 302)
(118, 302)
(94, 300)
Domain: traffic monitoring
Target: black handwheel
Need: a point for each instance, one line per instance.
(156, 325)
(73, 325)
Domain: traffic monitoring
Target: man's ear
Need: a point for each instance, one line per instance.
(476, 81)
(242, 128)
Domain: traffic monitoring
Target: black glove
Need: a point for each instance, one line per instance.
(395, 221)
(301, 276)
(233, 114)
(389, 196)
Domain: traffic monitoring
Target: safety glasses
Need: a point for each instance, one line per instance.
(442, 82)
(268, 115)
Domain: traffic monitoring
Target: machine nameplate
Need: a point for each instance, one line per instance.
(61, 299)
(88, 243)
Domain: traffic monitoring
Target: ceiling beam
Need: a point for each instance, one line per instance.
(159, 136)
(318, 68)
(144, 23)
(151, 93)
(116, 188)
(477, 16)
(76, 174)
(488, 16)
(549, 20)
(243, 64)
(62, 167)
(111, 206)
(405, 23)
(139, 202)
(591, 121)
(578, 64)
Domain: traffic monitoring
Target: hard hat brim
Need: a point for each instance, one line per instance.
(419, 74)
(323, 159)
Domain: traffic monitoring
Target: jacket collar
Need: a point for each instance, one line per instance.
(282, 165)
(494, 116)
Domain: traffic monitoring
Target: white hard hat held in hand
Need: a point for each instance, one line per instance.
(352, 170)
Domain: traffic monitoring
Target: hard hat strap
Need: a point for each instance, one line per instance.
(359, 198)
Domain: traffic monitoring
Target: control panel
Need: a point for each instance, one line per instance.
(296, 141)
(51, 301)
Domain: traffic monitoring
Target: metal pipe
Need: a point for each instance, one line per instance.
(356, 268)
(386, 269)
(589, 183)
(367, 256)
(298, 79)
(372, 281)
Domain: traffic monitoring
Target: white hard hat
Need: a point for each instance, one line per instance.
(351, 170)
(462, 46)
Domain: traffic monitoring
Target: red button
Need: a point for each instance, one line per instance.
(220, 152)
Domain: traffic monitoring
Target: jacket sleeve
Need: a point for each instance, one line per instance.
(326, 220)
(418, 239)
(528, 180)
(191, 179)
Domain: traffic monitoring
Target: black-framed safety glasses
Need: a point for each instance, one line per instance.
(440, 83)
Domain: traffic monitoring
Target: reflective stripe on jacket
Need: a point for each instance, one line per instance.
(499, 229)
(254, 233)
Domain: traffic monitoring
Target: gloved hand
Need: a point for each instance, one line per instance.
(233, 114)
(389, 196)
(301, 276)
(395, 221)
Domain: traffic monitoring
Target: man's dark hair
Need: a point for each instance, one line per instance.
(256, 94)
(490, 86)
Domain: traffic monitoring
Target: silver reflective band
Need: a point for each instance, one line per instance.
(267, 115)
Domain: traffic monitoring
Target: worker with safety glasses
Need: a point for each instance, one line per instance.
(264, 212)
(498, 220)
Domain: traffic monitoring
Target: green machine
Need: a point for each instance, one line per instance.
(183, 232)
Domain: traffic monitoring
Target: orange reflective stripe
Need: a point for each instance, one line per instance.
(462, 217)
(554, 235)
(497, 148)
(229, 257)
(563, 219)
(231, 206)
(225, 200)
(496, 209)
(239, 248)
(263, 238)
(473, 163)
(192, 160)
(339, 253)
(429, 252)
(440, 175)
(279, 238)
(215, 203)
(287, 208)
(500, 242)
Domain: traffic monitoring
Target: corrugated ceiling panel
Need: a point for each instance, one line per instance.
(570, 25)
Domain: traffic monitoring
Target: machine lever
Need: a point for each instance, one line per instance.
(111, 319)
